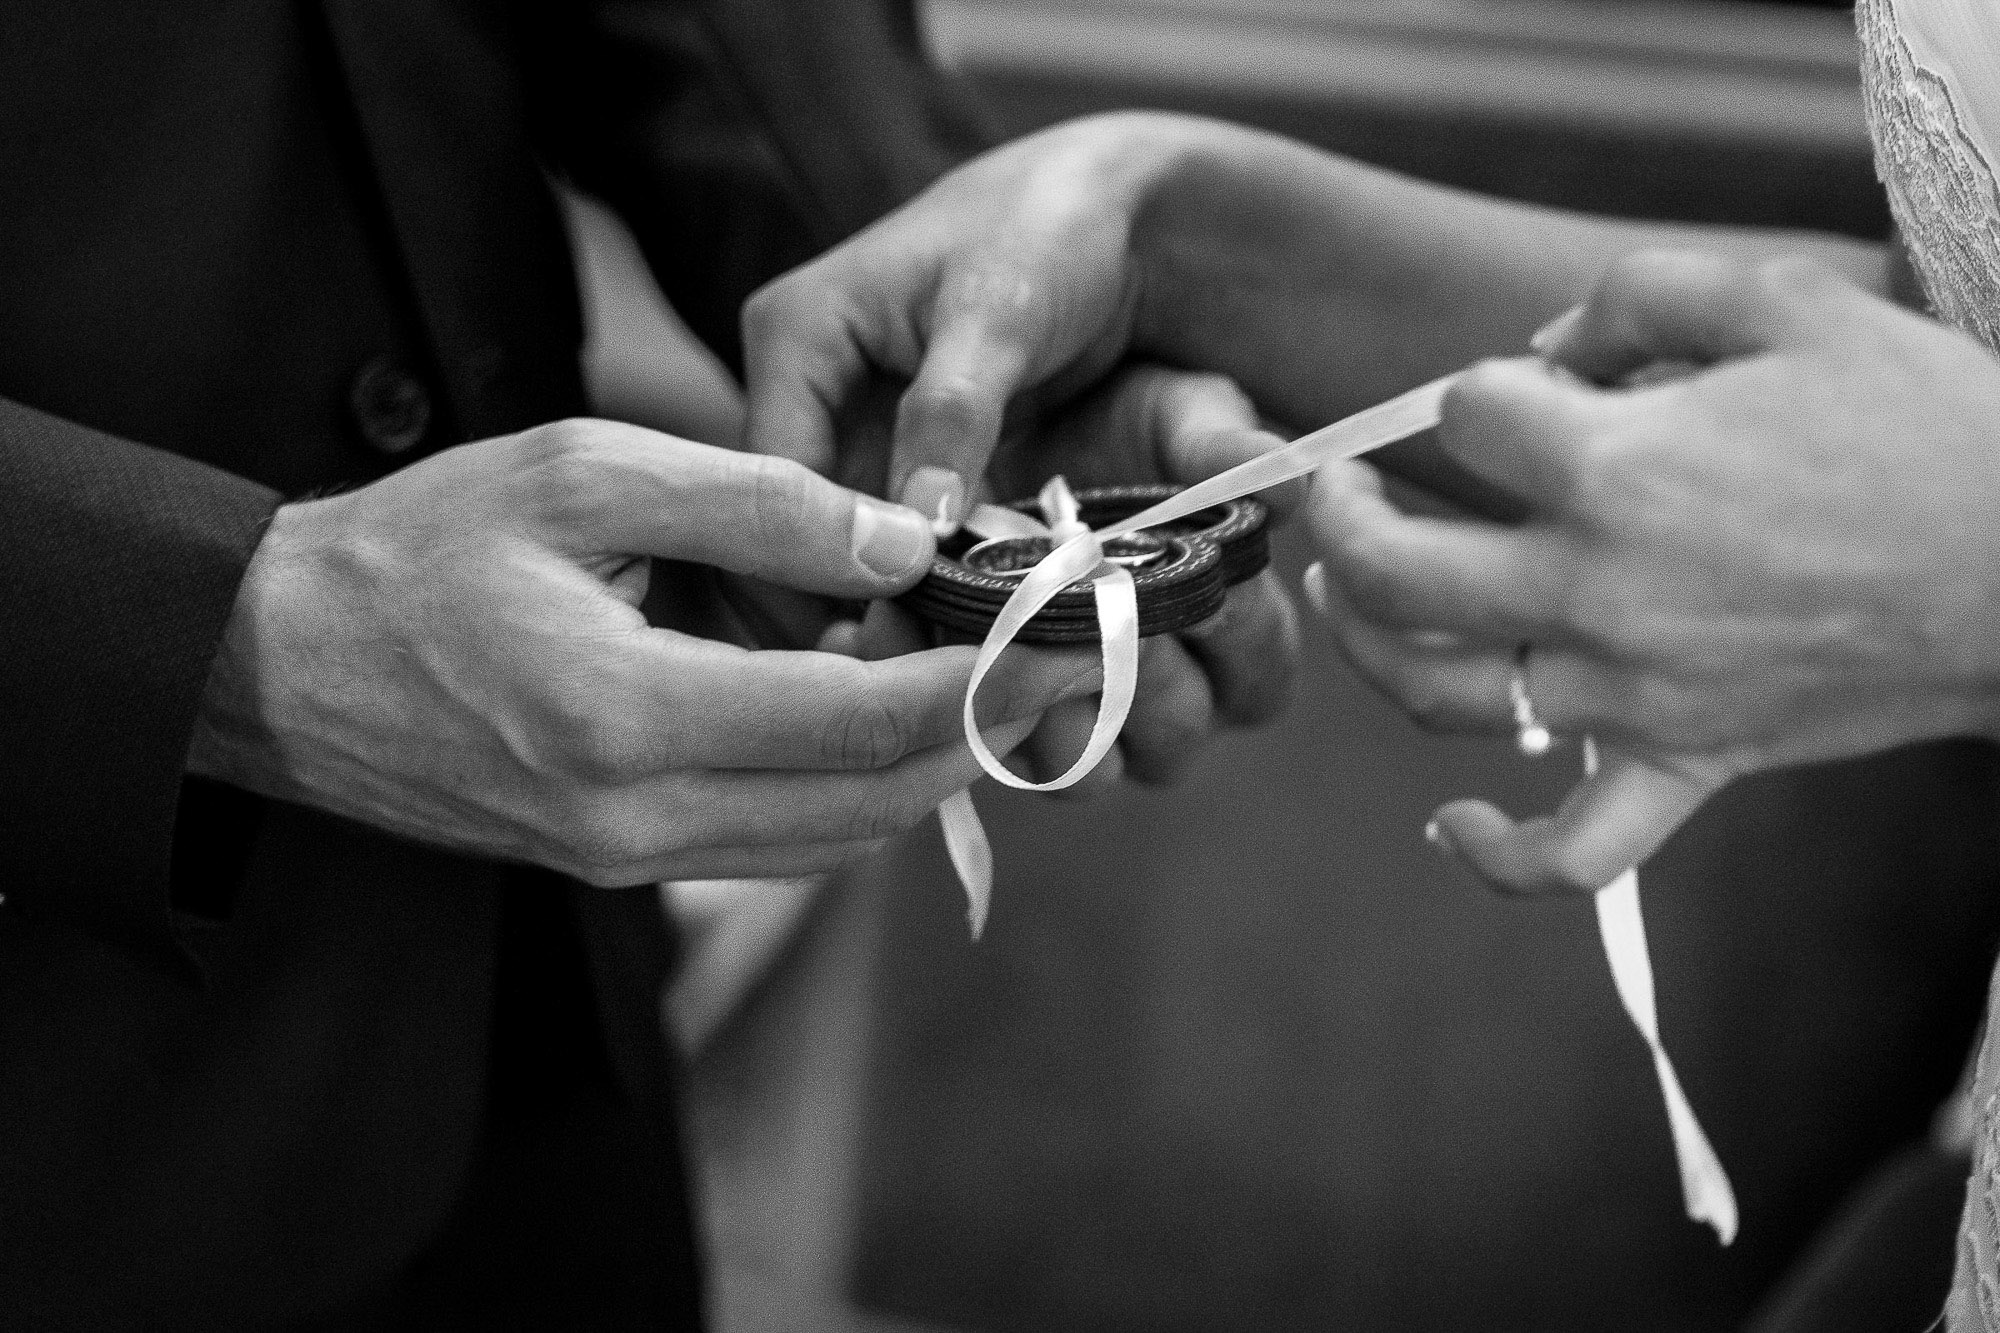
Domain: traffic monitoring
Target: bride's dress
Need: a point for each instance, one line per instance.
(1931, 78)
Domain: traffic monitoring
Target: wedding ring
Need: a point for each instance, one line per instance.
(1531, 736)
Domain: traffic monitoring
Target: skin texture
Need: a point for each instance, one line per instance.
(455, 653)
(1699, 634)
(904, 353)
(1782, 553)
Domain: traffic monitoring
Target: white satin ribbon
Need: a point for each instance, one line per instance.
(1079, 555)
(1705, 1188)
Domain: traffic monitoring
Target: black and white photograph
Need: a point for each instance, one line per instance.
(1000, 666)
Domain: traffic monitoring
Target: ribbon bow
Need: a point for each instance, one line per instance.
(1079, 554)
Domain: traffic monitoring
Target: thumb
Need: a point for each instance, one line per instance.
(596, 487)
(1613, 820)
(1663, 307)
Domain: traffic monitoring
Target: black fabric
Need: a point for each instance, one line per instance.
(1883, 1262)
(256, 1068)
(766, 131)
(572, 1188)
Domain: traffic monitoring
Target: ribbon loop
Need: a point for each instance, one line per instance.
(1118, 630)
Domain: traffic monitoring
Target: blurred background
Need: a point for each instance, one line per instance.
(1246, 1054)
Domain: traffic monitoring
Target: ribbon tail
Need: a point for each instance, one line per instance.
(971, 856)
(1705, 1188)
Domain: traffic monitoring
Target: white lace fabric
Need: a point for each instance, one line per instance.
(1974, 1306)
(1930, 77)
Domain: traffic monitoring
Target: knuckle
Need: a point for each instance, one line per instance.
(568, 470)
(607, 752)
(1641, 276)
(949, 408)
(560, 443)
(868, 734)
(591, 743)
(780, 499)
(788, 310)
(763, 314)
(602, 845)
(880, 815)
(995, 286)
(1596, 611)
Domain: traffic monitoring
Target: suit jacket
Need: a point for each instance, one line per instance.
(249, 251)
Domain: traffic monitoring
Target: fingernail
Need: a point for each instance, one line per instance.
(889, 540)
(1313, 583)
(1435, 835)
(1555, 330)
(939, 495)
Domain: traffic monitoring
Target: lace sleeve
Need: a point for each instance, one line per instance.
(1941, 186)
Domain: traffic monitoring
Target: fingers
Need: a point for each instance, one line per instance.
(770, 823)
(1669, 306)
(987, 321)
(735, 863)
(1176, 713)
(1486, 582)
(1249, 651)
(1058, 740)
(1523, 425)
(1149, 422)
(802, 360)
(595, 486)
(1611, 821)
(1203, 425)
(691, 703)
(770, 808)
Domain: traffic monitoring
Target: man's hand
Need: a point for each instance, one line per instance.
(1785, 553)
(455, 653)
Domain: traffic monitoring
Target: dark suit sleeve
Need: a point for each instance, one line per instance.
(118, 568)
(739, 138)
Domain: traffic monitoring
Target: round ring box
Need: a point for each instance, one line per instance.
(1181, 571)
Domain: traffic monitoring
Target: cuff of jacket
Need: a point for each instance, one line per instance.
(119, 566)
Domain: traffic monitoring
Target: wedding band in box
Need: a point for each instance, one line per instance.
(1180, 570)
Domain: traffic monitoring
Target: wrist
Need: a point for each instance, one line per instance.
(1235, 234)
(234, 740)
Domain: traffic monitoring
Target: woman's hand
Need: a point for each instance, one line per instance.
(979, 341)
(1007, 287)
(1786, 553)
